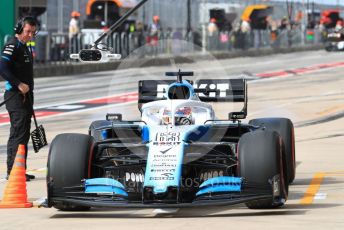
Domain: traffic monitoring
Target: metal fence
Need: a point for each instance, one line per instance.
(55, 48)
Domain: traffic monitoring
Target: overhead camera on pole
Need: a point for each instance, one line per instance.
(95, 54)
(99, 52)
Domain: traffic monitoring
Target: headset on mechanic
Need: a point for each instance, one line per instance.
(16, 67)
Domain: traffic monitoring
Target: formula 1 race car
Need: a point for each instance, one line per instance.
(335, 41)
(177, 155)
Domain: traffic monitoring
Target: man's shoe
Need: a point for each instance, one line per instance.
(30, 176)
(27, 176)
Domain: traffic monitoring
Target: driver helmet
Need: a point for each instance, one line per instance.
(183, 116)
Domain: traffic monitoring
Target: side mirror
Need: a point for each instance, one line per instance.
(114, 117)
(236, 115)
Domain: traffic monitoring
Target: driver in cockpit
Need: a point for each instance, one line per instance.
(183, 116)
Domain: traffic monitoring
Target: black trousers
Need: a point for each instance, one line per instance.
(20, 111)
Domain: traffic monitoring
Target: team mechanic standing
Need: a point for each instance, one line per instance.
(16, 67)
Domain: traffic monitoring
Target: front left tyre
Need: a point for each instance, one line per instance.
(68, 165)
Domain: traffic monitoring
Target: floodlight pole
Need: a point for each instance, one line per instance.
(290, 12)
(204, 32)
(188, 26)
(303, 22)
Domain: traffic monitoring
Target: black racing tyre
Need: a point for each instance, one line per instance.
(96, 134)
(68, 162)
(285, 128)
(328, 48)
(261, 158)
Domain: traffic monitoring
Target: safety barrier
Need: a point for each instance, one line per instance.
(54, 48)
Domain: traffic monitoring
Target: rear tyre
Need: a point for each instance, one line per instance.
(285, 128)
(67, 165)
(260, 159)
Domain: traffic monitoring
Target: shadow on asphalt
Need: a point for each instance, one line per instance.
(326, 181)
(311, 206)
(238, 211)
(184, 213)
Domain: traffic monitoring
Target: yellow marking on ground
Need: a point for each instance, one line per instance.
(330, 110)
(313, 188)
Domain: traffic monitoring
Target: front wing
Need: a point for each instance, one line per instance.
(77, 196)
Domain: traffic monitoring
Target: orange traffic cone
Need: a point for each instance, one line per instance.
(15, 195)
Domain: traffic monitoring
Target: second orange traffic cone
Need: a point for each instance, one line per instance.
(15, 195)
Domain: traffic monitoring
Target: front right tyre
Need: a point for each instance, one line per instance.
(285, 128)
(260, 160)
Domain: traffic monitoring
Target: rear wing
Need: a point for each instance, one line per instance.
(208, 90)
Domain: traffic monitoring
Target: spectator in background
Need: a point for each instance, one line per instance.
(154, 34)
(155, 30)
(284, 23)
(273, 27)
(197, 40)
(213, 34)
(140, 33)
(74, 30)
(132, 27)
(212, 27)
(322, 30)
(245, 26)
(140, 39)
(339, 26)
(245, 29)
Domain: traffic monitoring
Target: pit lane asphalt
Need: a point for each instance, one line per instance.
(308, 99)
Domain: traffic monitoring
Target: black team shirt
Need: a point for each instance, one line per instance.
(16, 65)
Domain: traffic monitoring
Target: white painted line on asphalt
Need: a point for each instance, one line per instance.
(320, 196)
(64, 107)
